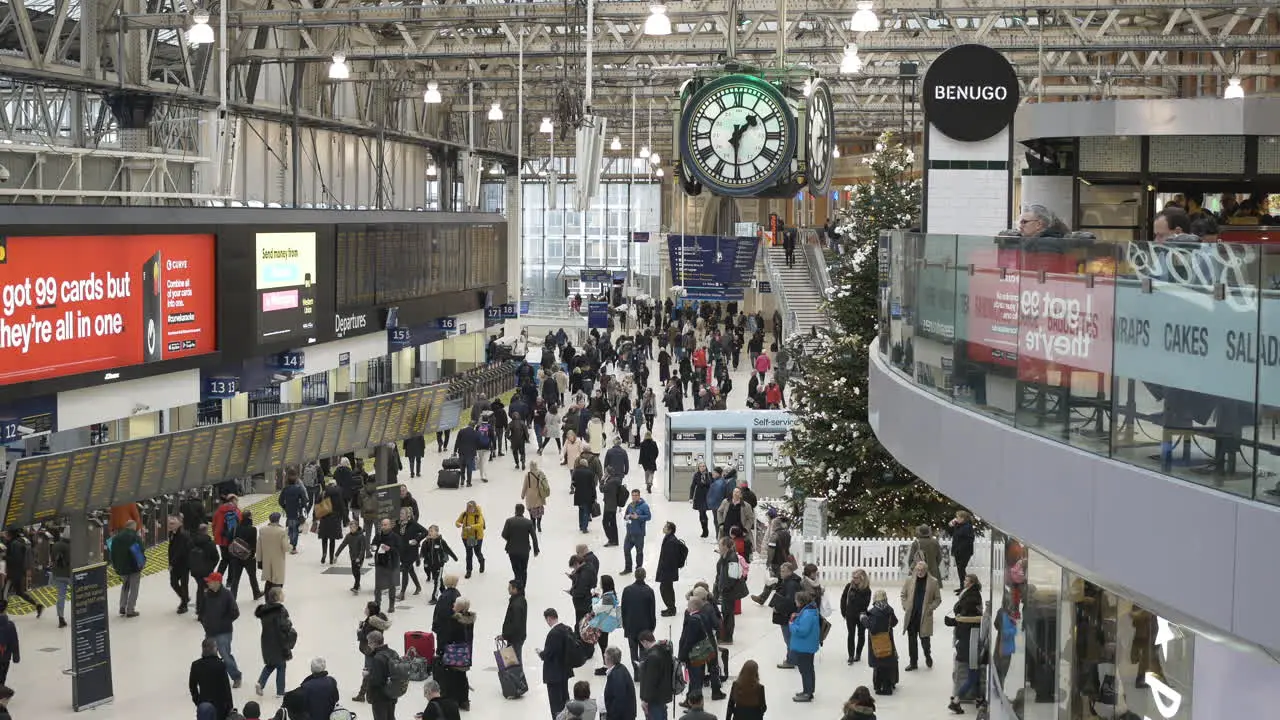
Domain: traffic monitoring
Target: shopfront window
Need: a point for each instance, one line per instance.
(1024, 649)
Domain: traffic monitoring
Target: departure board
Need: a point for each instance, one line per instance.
(241, 441)
(105, 472)
(350, 423)
(381, 409)
(152, 468)
(223, 437)
(279, 440)
(315, 433)
(332, 429)
(429, 421)
(364, 426)
(421, 415)
(412, 402)
(450, 414)
(22, 497)
(135, 454)
(53, 485)
(175, 467)
(79, 480)
(198, 461)
(260, 448)
(295, 452)
(395, 419)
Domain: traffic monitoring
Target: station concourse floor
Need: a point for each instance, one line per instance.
(151, 654)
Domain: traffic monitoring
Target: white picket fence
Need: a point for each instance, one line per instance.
(884, 559)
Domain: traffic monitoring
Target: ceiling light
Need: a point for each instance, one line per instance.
(644, 152)
(659, 172)
(338, 69)
(496, 169)
(835, 152)
(865, 20)
(200, 33)
(655, 159)
(546, 126)
(431, 170)
(808, 87)
(616, 144)
(495, 111)
(1234, 91)
(850, 64)
(432, 95)
(657, 23)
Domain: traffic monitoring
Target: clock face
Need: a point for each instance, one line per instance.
(738, 135)
(821, 140)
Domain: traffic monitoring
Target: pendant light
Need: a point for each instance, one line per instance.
(1234, 90)
(835, 153)
(432, 95)
(338, 69)
(496, 169)
(431, 170)
(659, 172)
(200, 32)
(655, 159)
(616, 144)
(495, 111)
(850, 63)
(657, 23)
(865, 20)
(546, 126)
(644, 152)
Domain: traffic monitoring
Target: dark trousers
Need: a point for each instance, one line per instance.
(702, 518)
(357, 568)
(727, 620)
(609, 519)
(633, 541)
(557, 696)
(518, 454)
(200, 593)
(912, 652)
(225, 558)
(857, 637)
(668, 592)
(407, 573)
(634, 645)
(442, 440)
(962, 569)
(246, 568)
(475, 550)
(499, 434)
(384, 709)
(432, 575)
(178, 581)
(415, 467)
(581, 608)
(520, 567)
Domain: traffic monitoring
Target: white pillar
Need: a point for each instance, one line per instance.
(967, 184)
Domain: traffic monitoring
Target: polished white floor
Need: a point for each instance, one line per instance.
(152, 653)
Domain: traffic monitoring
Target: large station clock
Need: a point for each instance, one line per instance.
(737, 136)
(820, 124)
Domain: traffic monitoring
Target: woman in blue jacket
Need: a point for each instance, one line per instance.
(805, 636)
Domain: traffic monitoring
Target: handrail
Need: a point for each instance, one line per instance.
(817, 262)
(789, 324)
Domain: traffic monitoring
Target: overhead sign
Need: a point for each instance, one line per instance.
(509, 311)
(80, 304)
(90, 638)
(492, 316)
(447, 323)
(711, 262)
(765, 287)
(596, 276)
(221, 387)
(353, 323)
(27, 418)
(970, 93)
(285, 268)
(399, 338)
(290, 362)
(598, 315)
(640, 237)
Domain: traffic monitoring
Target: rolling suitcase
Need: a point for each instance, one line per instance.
(449, 479)
(451, 463)
(423, 643)
(510, 672)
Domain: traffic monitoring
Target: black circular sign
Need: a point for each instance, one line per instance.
(970, 93)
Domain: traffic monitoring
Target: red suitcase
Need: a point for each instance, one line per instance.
(422, 643)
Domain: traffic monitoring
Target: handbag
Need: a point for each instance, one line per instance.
(595, 509)
(824, 628)
(240, 549)
(457, 655)
(881, 645)
(703, 652)
(324, 508)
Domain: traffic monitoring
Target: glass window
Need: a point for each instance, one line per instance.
(555, 247)
(617, 222)
(595, 222)
(595, 251)
(1025, 628)
(573, 248)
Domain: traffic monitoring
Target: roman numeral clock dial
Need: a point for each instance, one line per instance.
(737, 135)
(820, 121)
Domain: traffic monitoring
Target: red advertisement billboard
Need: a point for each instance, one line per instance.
(78, 304)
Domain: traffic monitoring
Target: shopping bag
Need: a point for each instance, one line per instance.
(504, 655)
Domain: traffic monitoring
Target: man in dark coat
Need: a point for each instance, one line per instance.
(386, 564)
(179, 562)
(555, 661)
(320, 691)
(639, 613)
(499, 420)
(202, 561)
(671, 558)
(414, 450)
(380, 657)
(466, 445)
(521, 536)
(278, 637)
(518, 434)
(515, 625)
(210, 687)
(583, 482)
(619, 687)
(218, 617)
(656, 688)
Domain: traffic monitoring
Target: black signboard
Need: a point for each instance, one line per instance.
(970, 93)
(223, 438)
(198, 459)
(131, 461)
(381, 410)
(105, 473)
(260, 449)
(241, 441)
(448, 416)
(153, 464)
(90, 638)
(395, 419)
(295, 450)
(689, 435)
(350, 421)
(364, 426)
(315, 433)
(52, 486)
(332, 429)
(729, 435)
(22, 496)
(79, 480)
(769, 435)
(175, 467)
(280, 440)
(388, 503)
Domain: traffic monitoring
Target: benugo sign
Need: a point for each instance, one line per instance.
(970, 93)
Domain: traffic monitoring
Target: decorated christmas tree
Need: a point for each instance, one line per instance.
(835, 453)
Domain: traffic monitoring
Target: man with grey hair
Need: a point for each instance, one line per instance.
(1036, 221)
(319, 690)
(128, 558)
(619, 688)
(438, 708)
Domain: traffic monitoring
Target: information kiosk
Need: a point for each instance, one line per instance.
(749, 441)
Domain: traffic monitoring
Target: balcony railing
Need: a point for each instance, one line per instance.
(1163, 355)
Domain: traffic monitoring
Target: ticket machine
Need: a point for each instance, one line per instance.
(688, 448)
(729, 450)
(767, 463)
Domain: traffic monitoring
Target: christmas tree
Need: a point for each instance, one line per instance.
(834, 451)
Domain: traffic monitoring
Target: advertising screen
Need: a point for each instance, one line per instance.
(286, 278)
(80, 304)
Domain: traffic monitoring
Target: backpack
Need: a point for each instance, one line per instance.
(311, 475)
(398, 669)
(483, 430)
(578, 652)
(682, 553)
(230, 521)
(623, 495)
(543, 485)
(679, 678)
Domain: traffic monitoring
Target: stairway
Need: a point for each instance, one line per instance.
(798, 292)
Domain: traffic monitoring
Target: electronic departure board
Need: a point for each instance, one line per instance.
(175, 467)
(198, 459)
(378, 433)
(152, 468)
(449, 416)
(315, 433)
(395, 419)
(412, 400)
(296, 449)
(350, 424)
(130, 472)
(238, 458)
(364, 426)
(79, 480)
(428, 406)
(332, 429)
(53, 484)
(280, 440)
(260, 448)
(22, 496)
(223, 436)
(105, 472)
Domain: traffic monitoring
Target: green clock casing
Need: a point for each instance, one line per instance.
(690, 186)
(820, 131)
(737, 136)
